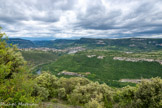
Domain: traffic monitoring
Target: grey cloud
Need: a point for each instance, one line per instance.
(100, 22)
(136, 18)
(152, 31)
(105, 18)
(31, 9)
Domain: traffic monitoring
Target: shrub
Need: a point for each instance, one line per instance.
(93, 104)
(48, 82)
(149, 94)
(82, 94)
(69, 84)
(15, 84)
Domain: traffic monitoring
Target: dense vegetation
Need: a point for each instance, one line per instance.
(104, 70)
(82, 92)
(18, 88)
(15, 84)
(36, 57)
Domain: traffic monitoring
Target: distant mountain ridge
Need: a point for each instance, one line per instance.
(21, 43)
(126, 43)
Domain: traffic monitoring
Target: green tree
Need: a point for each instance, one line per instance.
(124, 97)
(93, 104)
(99, 92)
(11, 61)
(15, 84)
(149, 94)
(69, 84)
(47, 82)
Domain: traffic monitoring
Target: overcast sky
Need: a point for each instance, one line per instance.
(81, 18)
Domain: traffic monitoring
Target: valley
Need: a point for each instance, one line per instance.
(103, 64)
(103, 68)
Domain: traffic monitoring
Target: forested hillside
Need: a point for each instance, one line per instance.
(21, 43)
(101, 66)
(40, 57)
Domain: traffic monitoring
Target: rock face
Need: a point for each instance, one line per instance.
(133, 80)
(70, 73)
(136, 59)
(90, 56)
(100, 57)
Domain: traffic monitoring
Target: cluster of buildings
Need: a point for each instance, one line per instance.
(70, 50)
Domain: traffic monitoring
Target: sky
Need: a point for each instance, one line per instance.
(81, 18)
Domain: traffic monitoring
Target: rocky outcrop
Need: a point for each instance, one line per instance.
(98, 57)
(70, 73)
(90, 56)
(133, 80)
(136, 59)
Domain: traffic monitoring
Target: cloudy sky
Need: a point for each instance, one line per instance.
(81, 18)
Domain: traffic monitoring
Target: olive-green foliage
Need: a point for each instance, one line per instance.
(149, 94)
(15, 85)
(82, 94)
(69, 83)
(47, 82)
(81, 91)
(56, 87)
(75, 90)
(93, 104)
(124, 97)
(10, 61)
(40, 92)
(16, 90)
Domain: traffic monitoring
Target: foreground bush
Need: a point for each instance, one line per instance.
(93, 104)
(15, 84)
(83, 94)
(149, 94)
(81, 91)
(57, 87)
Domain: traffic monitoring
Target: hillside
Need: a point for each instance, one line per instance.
(133, 44)
(127, 44)
(21, 43)
(58, 43)
(100, 66)
(39, 57)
